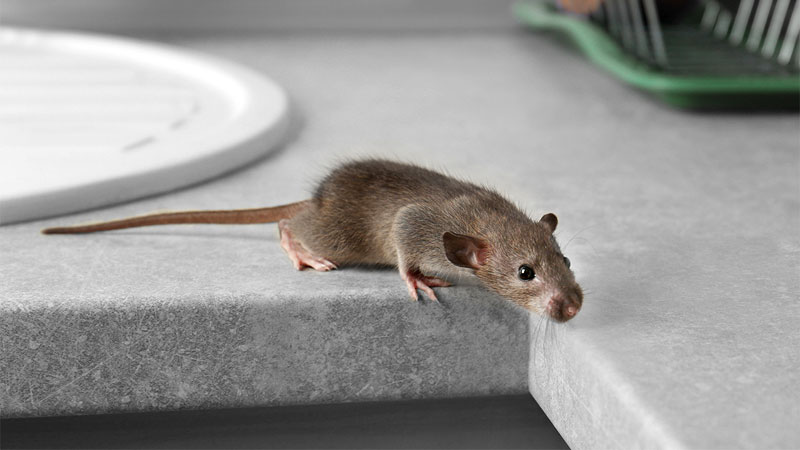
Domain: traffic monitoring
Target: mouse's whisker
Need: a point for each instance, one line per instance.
(552, 341)
(539, 339)
(547, 333)
(545, 329)
(558, 331)
(535, 338)
(587, 242)
(576, 235)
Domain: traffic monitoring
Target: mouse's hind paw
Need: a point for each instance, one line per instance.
(302, 258)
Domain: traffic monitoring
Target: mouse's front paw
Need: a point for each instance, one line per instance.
(415, 280)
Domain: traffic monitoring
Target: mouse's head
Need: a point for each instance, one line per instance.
(523, 264)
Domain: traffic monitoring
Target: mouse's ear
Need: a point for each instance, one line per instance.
(550, 220)
(465, 251)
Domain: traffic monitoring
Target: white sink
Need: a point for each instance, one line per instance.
(88, 120)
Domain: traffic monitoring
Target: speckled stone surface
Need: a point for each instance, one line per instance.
(284, 345)
(682, 228)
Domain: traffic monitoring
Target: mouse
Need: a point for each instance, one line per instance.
(432, 227)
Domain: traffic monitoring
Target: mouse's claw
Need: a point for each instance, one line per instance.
(412, 290)
(415, 280)
(305, 259)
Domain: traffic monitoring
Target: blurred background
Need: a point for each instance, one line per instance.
(255, 15)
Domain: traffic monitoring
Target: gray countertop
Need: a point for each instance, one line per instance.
(681, 227)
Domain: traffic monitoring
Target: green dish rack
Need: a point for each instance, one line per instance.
(708, 59)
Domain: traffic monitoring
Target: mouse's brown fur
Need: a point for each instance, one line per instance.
(425, 223)
(382, 212)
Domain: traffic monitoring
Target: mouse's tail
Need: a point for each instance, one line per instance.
(233, 216)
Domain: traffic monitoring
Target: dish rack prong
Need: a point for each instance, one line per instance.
(769, 28)
(698, 54)
(636, 25)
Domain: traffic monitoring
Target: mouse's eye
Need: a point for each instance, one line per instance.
(526, 273)
(566, 261)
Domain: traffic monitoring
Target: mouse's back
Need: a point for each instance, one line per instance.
(355, 206)
(382, 183)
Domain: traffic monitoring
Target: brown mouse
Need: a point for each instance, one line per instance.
(425, 223)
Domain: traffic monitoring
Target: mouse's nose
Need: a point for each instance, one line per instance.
(562, 308)
(569, 310)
